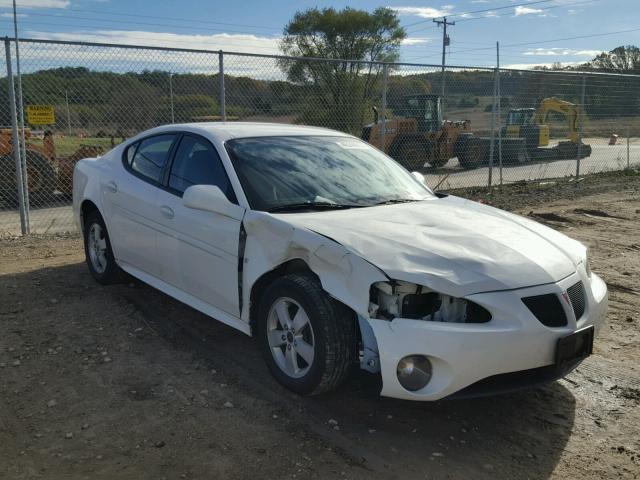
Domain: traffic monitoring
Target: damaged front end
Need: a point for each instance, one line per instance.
(388, 300)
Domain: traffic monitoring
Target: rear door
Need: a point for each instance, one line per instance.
(200, 249)
(130, 201)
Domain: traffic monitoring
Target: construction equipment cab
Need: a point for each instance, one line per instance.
(531, 124)
(521, 123)
(417, 134)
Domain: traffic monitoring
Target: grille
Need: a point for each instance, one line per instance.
(547, 308)
(578, 300)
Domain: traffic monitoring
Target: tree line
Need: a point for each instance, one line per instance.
(335, 93)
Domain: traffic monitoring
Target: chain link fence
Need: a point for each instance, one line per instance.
(491, 127)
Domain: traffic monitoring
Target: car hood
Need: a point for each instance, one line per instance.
(449, 244)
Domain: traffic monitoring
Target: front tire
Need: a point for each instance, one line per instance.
(412, 153)
(98, 252)
(471, 153)
(307, 339)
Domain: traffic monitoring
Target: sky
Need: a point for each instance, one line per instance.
(534, 32)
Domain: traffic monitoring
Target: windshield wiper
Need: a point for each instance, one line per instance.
(395, 200)
(313, 206)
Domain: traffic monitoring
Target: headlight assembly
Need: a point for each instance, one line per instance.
(393, 299)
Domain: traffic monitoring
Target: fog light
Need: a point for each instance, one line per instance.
(414, 372)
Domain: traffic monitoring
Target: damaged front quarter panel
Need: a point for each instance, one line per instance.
(270, 242)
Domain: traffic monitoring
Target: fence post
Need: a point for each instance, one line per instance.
(223, 108)
(23, 141)
(493, 130)
(15, 141)
(499, 94)
(628, 159)
(385, 81)
(580, 121)
(173, 113)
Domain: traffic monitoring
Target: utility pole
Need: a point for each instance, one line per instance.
(445, 44)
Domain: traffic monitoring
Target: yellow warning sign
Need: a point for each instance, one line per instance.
(40, 115)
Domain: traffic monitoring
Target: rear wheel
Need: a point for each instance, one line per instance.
(470, 153)
(307, 338)
(98, 252)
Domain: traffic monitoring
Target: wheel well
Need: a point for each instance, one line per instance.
(295, 265)
(86, 209)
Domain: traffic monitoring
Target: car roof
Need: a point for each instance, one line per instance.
(227, 130)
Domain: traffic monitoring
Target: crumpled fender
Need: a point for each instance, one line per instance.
(270, 242)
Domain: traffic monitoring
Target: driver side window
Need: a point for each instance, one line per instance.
(196, 162)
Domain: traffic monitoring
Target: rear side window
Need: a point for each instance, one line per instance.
(131, 151)
(196, 162)
(151, 156)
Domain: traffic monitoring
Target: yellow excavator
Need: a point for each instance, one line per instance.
(418, 134)
(531, 124)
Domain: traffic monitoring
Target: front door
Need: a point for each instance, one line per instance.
(200, 249)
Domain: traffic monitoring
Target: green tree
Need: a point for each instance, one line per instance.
(619, 60)
(340, 90)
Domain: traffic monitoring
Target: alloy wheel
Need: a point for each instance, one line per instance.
(97, 247)
(290, 337)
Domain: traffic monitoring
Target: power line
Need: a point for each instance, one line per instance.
(247, 43)
(522, 44)
(483, 10)
(539, 10)
(177, 19)
(564, 5)
(133, 22)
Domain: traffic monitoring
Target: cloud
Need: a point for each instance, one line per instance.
(42, 56)
(491, 15)
(36, 3)
(245, 43)
(425, 12)
(557, 51)
(520, 10)
(415, 41)
(10, 15)
(531, 66)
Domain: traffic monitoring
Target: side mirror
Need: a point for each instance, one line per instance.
(423, 181)
(211, 199)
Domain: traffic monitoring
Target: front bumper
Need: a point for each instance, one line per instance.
(463, 354)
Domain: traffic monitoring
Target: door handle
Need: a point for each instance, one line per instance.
(112, 187)
(167, 212)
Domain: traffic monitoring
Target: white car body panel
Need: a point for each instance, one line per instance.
(449, 245)
(131, 210)
(460, 247)
(199, 251)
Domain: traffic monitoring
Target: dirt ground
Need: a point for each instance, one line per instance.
(124, 382)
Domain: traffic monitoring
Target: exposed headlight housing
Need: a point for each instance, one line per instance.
(393, 299)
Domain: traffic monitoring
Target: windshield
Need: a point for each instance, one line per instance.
(280, 171)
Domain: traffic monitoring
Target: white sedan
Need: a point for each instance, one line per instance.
(335, 257)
